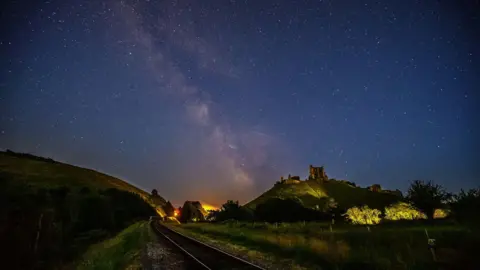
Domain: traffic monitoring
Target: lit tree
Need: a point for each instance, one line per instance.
(403, 210)
(427, 196)
(363, 215)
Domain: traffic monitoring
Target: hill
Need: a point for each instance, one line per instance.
(313, 192)
(50, 212)
(38, 172)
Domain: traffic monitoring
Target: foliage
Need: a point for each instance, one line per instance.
(192, 211)
(441, 213)
(230, 210)
(403, 210)
(119, 251)
(465, 206)
(427, 196)
(363, 215)
(48, 224)
(169, 209)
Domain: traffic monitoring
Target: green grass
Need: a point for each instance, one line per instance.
(120, 251)
(38, 173)
(349, 247)
(312, 193)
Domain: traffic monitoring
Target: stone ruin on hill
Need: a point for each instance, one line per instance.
(316, 173)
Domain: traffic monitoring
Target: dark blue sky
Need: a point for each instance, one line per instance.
(215, 100)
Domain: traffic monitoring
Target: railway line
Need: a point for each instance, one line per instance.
(199, 255)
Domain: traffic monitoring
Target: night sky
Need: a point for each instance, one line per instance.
(215, 100)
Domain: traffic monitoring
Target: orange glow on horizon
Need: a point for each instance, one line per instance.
(208, 207)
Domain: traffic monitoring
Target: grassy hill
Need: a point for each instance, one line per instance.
(50, 212)
(39, 172)
(312, 193)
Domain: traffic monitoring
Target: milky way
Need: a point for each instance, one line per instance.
(215, 100)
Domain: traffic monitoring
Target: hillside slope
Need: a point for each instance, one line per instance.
(312, 193)
(51, 212)
(38, 172)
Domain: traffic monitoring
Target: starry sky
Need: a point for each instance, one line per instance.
(215, 100)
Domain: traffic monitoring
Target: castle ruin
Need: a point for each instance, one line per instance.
(316, 173)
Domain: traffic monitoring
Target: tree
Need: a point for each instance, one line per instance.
(169, 209)
(427, 196)
(230, 210)
(403, 210)
(363, 215)
(154, 193)
(465, 205)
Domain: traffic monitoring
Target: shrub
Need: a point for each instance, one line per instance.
(363, 215)
(403, 210)
(441, 213)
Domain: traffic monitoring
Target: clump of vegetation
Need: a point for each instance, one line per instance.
(363, 215)
(192, 211)
(403, 210)
(231, 210)
(427, 196)
(48, 222)
(441, 213)
(465, 205)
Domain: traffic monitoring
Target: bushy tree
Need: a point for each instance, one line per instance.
(427, 196)
(169, 209)
(230, 210)
(363, 215)
(403, 210)
(465, 206)
(441, 213)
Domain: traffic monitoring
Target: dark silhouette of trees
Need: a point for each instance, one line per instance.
(154, 193)
(427, 196)
(47, 227)
(230, 210)
(465, 206)
(192, 211)
(169, 209)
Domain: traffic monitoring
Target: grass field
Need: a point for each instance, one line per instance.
(120, 252)
(313, 245)
(22, 170)
(41, 173)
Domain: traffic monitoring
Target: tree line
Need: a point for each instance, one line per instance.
(422, 200)
(46, 227)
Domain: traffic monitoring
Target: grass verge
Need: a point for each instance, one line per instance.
(379, 248)
(120, 252)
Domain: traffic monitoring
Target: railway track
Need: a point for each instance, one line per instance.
(201, 255)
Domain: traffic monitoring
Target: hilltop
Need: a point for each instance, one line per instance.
(39, 172)
(318, 190)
